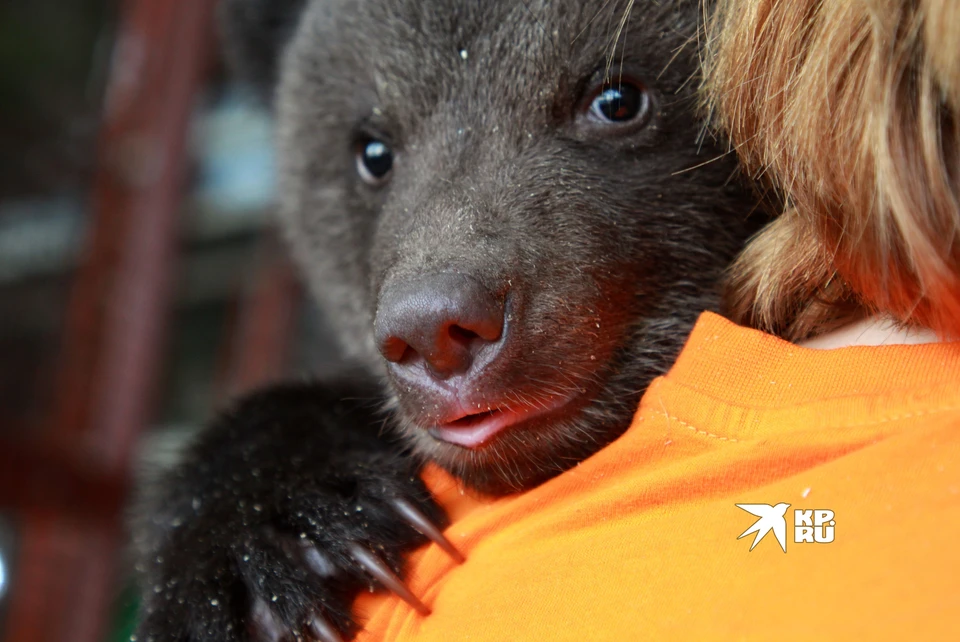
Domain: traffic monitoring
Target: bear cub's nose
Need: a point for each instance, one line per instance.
(445, 320)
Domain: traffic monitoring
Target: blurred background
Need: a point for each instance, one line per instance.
(140, 285)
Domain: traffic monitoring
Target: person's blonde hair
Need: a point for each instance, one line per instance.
(850, 110)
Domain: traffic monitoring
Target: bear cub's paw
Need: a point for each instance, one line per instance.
(278, 517)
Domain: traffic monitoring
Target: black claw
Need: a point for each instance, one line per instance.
(382, 573)
(264, 625)
(421, 523)
(322, 630)
(315, 560)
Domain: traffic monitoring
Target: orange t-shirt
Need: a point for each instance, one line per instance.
(641, 540)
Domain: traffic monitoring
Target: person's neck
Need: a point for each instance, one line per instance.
(872, 331)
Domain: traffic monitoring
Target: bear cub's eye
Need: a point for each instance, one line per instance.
(374, 161)
(624, 102)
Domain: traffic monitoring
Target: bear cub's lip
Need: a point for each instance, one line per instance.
(475, 430)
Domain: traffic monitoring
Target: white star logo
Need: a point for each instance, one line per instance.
(771, 519)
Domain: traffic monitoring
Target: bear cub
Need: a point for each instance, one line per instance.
(512, 218)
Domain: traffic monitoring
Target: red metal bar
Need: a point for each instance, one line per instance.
(118, 308)
(34, 478)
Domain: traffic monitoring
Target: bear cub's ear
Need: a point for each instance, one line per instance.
(254, 34)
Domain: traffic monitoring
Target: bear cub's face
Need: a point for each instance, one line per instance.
(515, 226)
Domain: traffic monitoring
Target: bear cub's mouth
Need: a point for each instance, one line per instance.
(477, 429)
(469, 421)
